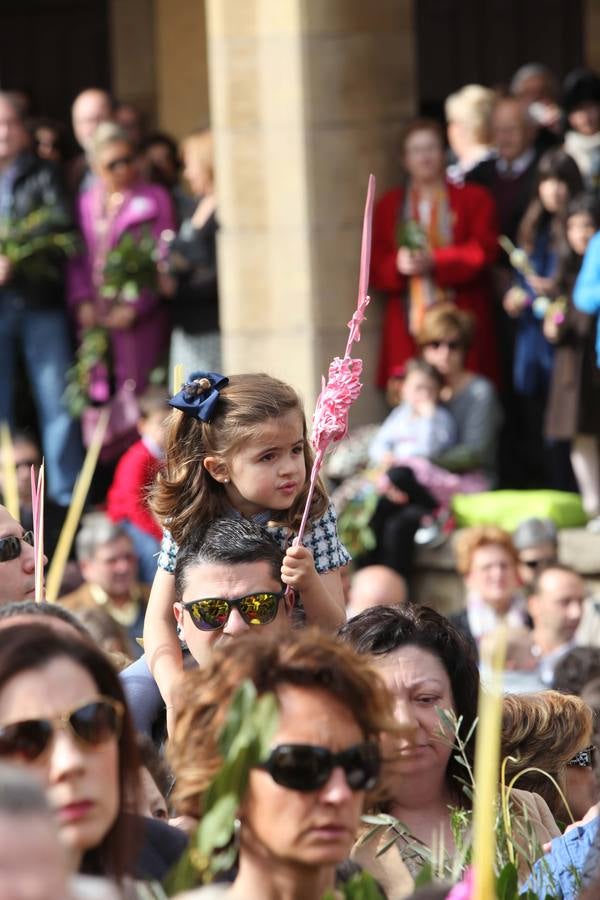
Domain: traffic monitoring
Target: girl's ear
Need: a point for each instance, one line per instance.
(217, 469)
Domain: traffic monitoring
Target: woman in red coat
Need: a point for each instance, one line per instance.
(433, 241)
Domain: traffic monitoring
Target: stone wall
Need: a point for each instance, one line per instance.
(307, 98)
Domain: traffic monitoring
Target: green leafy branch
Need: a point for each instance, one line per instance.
(35, 244)
(93, 349)
(410, 234)
(130, 268)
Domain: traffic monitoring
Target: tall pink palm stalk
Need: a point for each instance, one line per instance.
(343, 386)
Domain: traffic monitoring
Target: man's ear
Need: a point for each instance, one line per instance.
(289, 601)
(178, 613)
(216, 468)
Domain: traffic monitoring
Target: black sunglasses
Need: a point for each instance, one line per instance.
(304, 767)
(584, 758)
(255, 609)
(536, 563)
(10, 547)
(451, 345)
(120, 161)
(92, 724)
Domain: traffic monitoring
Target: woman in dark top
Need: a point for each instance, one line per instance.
(195, 342)
(573, 411)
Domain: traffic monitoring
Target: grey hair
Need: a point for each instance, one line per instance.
(529, 70)
(532, 532)
(96, 530)
(20, 794)
(106, 133)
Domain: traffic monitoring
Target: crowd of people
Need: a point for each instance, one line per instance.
(106, 265)
(212, 701)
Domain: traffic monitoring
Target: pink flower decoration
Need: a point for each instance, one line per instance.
(464, 889)
(330, 421)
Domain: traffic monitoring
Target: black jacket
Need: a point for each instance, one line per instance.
(39, 184)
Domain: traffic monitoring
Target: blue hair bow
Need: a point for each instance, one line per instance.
(199, 396)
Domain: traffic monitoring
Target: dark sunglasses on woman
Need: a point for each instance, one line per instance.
(10, 547)
(120, 162)
(305, 767)
(583, 759)
(211, 613)
(451, 345)
(91, 724)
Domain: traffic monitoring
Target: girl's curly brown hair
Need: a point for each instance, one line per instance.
(306, 659)
(186, 496)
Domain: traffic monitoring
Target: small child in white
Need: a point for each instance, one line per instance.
(420, 426)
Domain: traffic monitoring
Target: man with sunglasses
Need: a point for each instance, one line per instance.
(17, 560)
(536, 543)
(227, 582)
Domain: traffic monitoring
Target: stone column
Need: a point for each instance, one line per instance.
(132, 53)
(307, 97)
(591, 34)
(181, 66)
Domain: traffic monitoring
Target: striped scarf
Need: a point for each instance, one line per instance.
(435, 219)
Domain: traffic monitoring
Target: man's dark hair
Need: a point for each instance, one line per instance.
(551, 567)
(164, 140)
(384, 629)
(227, 542)
(44, 610)
(573, 671)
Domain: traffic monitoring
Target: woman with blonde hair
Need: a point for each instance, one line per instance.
(300, 811)
(195, 341)
(551, 732)
(119, 202)
(469, 115)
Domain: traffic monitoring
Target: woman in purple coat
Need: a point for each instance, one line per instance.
(118, 202)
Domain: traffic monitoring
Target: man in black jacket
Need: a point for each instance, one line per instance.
(32, 304)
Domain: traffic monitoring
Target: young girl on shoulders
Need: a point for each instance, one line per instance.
(239, 446)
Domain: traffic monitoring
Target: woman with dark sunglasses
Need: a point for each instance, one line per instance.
(301, 809)
(444, 338)
(63, 716)
(118, 204)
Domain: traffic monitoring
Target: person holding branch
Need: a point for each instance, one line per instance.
(238, 447)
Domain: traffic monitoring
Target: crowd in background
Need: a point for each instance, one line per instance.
(122, 198)
(185, 581)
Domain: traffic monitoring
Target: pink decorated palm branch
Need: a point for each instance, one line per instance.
(343, 386)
